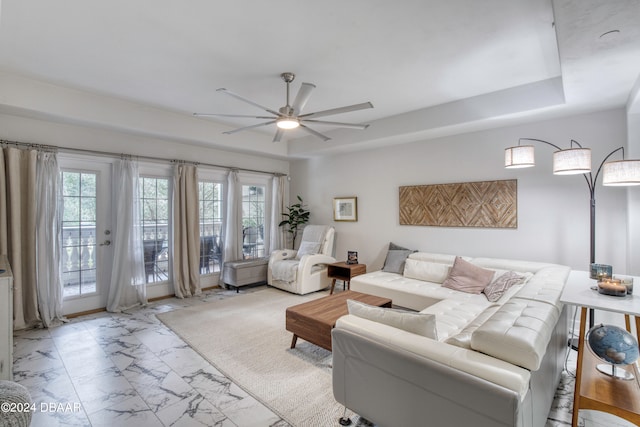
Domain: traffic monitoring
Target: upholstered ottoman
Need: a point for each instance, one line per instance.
(16, 403)
(245, 272)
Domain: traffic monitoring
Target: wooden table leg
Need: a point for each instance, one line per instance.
(294, 340)
(581, 349)
(333, 285)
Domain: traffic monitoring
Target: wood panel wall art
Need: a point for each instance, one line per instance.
(486, 204)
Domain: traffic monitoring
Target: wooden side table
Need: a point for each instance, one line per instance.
(345, 272)
(595, 390)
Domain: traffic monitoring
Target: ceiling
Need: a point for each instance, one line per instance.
(430, 68)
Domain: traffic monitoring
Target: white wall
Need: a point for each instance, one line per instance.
(553, 211)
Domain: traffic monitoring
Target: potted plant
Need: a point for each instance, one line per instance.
(298, 216)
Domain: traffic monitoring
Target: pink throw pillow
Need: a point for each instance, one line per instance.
(467, 277)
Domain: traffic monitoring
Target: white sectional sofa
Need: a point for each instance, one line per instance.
(491, 364)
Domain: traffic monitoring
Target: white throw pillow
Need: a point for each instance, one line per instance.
(425, 270)
(414, 322)
(307, 248)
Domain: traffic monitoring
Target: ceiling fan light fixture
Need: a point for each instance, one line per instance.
(287, 123)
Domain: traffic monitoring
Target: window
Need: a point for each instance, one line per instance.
(210, 196)
(78, 233)
(154, 195)
(253, 220)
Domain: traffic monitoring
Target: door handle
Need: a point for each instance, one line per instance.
(105, 243)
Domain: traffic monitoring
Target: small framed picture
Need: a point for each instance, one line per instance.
(345, 209)
(352, 257)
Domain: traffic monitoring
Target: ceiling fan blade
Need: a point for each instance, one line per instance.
(339, 124)
(230, 132)
(340, 110)
(278, 135)
(248, 101)
(314, 133)
(232, 115)
(302, 97)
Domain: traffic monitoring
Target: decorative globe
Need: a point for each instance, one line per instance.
(613, 344)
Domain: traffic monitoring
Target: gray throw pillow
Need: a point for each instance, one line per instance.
(396, 256)
(394, 247)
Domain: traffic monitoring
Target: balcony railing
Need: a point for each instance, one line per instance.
(79, 255)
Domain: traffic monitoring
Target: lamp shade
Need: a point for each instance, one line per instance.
(621, 173)
(572, 161)
(521, 156)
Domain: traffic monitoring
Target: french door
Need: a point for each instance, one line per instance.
(86, 254)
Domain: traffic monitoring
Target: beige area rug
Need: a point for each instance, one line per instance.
(245, 338)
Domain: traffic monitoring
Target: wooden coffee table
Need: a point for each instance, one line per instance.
(313, 321)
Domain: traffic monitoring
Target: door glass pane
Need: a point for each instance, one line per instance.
(78, 233)
(210, 197)
(253, 205)
(155, 227)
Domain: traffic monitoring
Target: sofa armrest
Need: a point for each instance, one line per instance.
(474, 363)
(391, 385)
(307, 262)
(281, 254)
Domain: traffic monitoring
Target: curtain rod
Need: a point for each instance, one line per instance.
(152, 158)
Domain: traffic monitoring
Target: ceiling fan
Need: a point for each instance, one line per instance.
(290, 117)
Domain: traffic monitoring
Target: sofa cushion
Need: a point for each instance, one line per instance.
(396, 256)
(463, 338)
(439, 258)
(416, 323)
(409, 293)
(546, 285)
(467, 277)
(518, 332)
(501, 284)
(452, 315)
(424, 270)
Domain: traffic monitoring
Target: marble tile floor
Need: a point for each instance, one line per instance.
(128, 369)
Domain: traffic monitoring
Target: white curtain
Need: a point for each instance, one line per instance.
(127, 287)
(186, 231)
(48, 245)
(278, 185)
(232, 245)
(17, 230)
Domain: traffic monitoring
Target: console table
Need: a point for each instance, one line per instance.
(345, 272)
(593, 389)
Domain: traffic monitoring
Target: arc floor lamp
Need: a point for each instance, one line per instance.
(577, 160)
